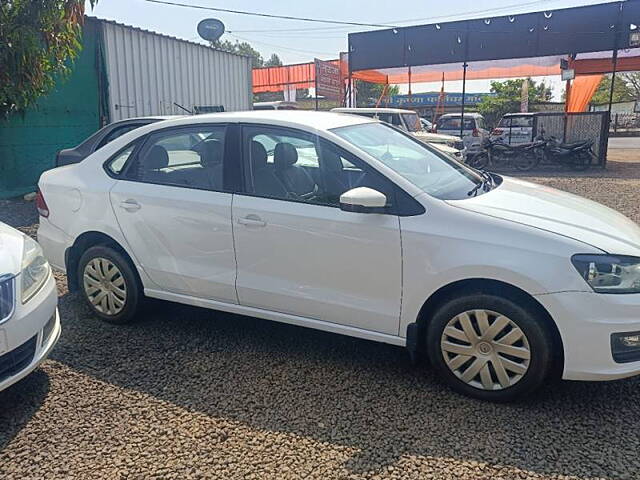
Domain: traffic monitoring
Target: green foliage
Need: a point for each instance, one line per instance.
(244, 48)
(623, 89)
(508, 98)
(37, 40)
(274, 61)
(369, 93)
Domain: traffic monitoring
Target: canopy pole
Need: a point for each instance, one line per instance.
(464, 91)
(613, 79)
(410, 101)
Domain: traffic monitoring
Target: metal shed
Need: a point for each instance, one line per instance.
(121, 72)
(149, 73)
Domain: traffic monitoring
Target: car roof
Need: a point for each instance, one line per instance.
(286, 118)
(151, 118)
(370, 110)
(519, 114)
(470, 114)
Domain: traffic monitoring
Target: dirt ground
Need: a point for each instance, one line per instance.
(190, 393)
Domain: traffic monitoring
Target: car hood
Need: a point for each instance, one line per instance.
(443, 147)
(11, 245)
(435, 137)
(559, 212)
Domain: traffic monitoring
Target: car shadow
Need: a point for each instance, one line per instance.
(349, 392)
(19, 403)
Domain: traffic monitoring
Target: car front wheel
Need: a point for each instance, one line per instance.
(109, 284)
(489, 347)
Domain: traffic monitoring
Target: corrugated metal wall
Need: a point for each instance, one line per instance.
(148, 72)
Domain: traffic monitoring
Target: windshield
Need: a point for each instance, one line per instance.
(438, 175)
(412, 120)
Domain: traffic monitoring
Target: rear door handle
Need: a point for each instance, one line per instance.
(130, 205)
(252, 221)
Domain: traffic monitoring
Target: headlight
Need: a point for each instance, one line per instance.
(609, 273)
(35, 269)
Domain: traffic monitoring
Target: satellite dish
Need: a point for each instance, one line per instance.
(211, 29)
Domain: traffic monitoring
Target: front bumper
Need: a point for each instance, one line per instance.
(586, 322)
(32, 330)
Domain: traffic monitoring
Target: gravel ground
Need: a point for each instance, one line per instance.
(190, 393)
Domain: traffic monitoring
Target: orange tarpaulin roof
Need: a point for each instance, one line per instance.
(275, 79)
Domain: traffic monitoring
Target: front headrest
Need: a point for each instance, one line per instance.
(331, 161)
(284, 155)
(258, 155)
(211, 152)
(157, 158)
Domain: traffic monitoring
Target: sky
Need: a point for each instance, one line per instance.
(296, 41)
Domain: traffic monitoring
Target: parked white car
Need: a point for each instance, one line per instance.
(348, 225)
(514, 128)
(474, 130)
(29, 323)
(409, 121)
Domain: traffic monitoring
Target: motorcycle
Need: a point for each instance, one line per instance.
(577, 155)
(497, 153)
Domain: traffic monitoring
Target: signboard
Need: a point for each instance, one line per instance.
(431, 99)
(210, 29)
(634, 39)
(569, 74)
(328, 82)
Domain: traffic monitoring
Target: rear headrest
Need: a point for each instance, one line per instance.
(157, 158)
(284, 155)
(258, 155)
(211, 152)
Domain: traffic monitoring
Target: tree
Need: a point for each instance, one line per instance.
(274, 61)
(369, 93)
(241, 48)
(37, 41)
(623, 89)
(632, 79)
(508, 97)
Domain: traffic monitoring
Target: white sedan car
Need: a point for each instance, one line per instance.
(29, 323)
(345, 224)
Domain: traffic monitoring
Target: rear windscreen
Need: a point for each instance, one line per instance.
(454, 123)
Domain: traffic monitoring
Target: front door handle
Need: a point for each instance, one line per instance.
(130, 205)
(252, 221)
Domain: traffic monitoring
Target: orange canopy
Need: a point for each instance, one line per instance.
(302, 75)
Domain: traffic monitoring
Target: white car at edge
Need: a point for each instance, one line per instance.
(345, 224)
(29, 322)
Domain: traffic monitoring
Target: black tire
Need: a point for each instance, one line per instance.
(132, 283)
(581, 161)
(527, 161)
(479, 161)
(539, 339)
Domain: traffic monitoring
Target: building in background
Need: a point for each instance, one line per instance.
(121, 72)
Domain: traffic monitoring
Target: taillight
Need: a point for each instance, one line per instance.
(476, 132)
(497, 131)
(41, 205)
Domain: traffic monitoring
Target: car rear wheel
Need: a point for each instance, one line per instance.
(489, 347)
(109, 284)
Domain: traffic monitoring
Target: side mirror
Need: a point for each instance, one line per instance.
(363, 200)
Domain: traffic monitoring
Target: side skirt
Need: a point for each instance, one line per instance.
(277, 317)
